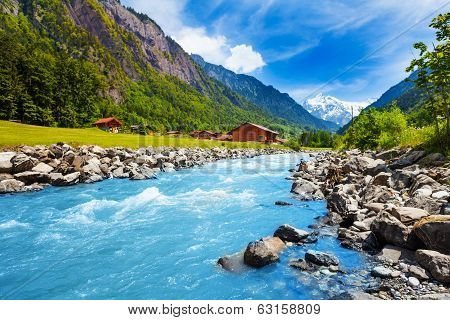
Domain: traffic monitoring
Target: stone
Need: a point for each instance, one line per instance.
(283, 203)
(402, 179)
(407, 159)
(98, 150)
(413, 282)
(120, 174)
(306, 190)
(6, 165)
(435, 296)
(302, 265)
(57, 179)
(423, 192)
(418, 273)
(263, 252)
(408, 215)
(433, 159)
(434, 231)
(354, 295)
(94, 178)
(445, 209)
(395, 254)
(43, 168)
(233, 263)
(361, 226)
(321, 258)
(11, 185)
(389, 230)
(381, 272)
(376, 207)
(358, 240)
(382, 179)
(290, 234)
(138, 176)
(30, 177)
(440, 195)
(430, 205)
(396, 274)
(22, 162)
(422, 181)
(436, 263)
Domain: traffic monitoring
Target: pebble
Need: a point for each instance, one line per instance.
(413, 282)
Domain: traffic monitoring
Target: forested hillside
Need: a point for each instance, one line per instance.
(67, 63)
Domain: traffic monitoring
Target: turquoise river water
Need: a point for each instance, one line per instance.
(160, 239)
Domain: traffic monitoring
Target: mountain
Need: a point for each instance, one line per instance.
(270, 99)
(67, 63)
(404, 93)
(332, 109)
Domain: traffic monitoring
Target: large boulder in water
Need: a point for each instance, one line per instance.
(11, 185)
(321, 258)
(306, 190)
(436, 263)
(290, 234)
(263, 252)
(233, 263)
(434, 231)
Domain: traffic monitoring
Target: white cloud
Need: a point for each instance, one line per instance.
(244, 59)
(215, 48)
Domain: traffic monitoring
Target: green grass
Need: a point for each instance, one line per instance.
(16, 134)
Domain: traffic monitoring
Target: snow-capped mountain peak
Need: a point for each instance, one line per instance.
(335, 110)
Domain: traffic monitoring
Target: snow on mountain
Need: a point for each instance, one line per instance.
(332, 109)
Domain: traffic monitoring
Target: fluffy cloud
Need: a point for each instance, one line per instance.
(244, 59)
(215, 49)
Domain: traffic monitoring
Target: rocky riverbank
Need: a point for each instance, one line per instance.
(35, 168)
(393, 205)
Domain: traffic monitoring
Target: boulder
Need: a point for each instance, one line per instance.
(422, 181)
(359, 164)
(233, 263)
(22, 162)
(57, 179)
(418, 273)
(366, 241)
(6, 165)
(434, 231)
(306, 190)
(381, 272)
(407, 159)
(382, 179)
(302, 264)
(408, 215)
(389, 230)
(375, 207)
(401, 179)
(43, 168)
(395, 254)
(11, 185)
(436, 263)
(440, 195)
(321, 258)
(433, 159)
(378, 194)
(430, 205)
(263, 252)
(290, 234)
(30, 177)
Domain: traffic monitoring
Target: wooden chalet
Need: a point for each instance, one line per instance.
(205, 134)
(173, 133)
(108, 124)
(248, 131)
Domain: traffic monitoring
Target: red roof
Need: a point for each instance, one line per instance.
(107, 120)
(258, 126)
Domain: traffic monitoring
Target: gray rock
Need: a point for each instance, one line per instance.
(381, 272)
(94, 178)
(395, 254)
(436, 263)
(413, 282)
(434, 231)
(445, 209)
(30, 177)
(306, 190)
(430, 205)
(11, 185)
(6, 165)
(42, 168)
(57, 179)
(423, 181)
(408, 215)
(321, 258)
(233, 263)
(418, 273)
(440, 195)
(263, 252)
(435, 296)
(408, 159)
(290, 234)
(382, 179)
(354, 295)
(283, 203)
(22, 162)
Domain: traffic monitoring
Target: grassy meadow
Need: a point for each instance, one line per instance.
(16, 134)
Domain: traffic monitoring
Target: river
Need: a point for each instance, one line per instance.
(160, 239)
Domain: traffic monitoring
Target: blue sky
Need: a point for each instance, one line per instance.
(303, 47)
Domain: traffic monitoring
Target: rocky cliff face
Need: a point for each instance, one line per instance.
(147, 44)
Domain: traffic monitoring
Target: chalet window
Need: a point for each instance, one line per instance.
(261, 137)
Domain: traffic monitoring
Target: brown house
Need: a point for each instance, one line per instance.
(205, 134)
(253, 132)
(108, 124)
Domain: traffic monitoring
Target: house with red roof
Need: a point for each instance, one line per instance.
(112, 124)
